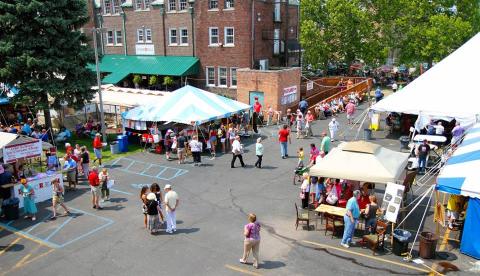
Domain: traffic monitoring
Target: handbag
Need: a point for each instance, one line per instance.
(174, 145)
(110, 183)
(332, 196)
(302, 195)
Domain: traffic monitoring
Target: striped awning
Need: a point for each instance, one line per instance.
(187, 105)
(461, 173)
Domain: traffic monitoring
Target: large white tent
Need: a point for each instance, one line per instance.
(448, 89)
(361, 161)
(128, 97)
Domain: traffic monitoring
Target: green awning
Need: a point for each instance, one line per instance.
(120, 66)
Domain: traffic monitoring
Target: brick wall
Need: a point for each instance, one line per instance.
(271, 82)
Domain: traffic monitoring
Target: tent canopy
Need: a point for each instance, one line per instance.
(461, 174)
(128, 97)
(187, 105)
(444, 90)
(361, 161)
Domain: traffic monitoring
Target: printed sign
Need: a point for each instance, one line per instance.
(392, 201)
(309, 85)
(41, 186)
(145, 49)
(289, 95)
(20, 151)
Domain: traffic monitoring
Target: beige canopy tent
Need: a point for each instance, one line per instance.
(361, 161)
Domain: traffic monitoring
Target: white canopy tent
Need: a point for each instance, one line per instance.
(446, 90)
(361, 161)
(128, 97)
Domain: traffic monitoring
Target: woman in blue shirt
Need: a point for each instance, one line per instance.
(351, 219)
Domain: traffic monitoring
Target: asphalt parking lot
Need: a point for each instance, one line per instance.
(214, 201)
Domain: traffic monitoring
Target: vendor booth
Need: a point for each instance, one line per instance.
(15, 148)
(186, 105)
(461, 176)
(361, 161)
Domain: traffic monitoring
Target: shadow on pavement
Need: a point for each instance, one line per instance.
(272, 264)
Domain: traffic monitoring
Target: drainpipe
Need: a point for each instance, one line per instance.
(100, 25)
(192, 15)
(253, 35)
(162, 12)
(124, 28)
(286, 34)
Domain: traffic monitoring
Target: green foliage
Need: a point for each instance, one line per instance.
(43, 51)
(153, 80)
(168, 81)
(419, 30)
(137, 79)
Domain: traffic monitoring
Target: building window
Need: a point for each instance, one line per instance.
(107, 7)
(222, 76)
(229, 4)
(110, 37)
(172, 5)
(148, 35)
(173, 37)
(229, 36)
(212, 4)
(182, 5)
(213, 35)
(140, 36)
(118, 38)
(233, 77)
(210, 76)
(116, 6)
(183, 36)
(138, 5)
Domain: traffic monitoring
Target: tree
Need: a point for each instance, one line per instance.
(43, 52)
(167, 81)
(152, 81)
(137, 80)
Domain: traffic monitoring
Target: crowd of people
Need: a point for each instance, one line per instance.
(152, 205)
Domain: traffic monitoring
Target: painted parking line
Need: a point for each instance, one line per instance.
(121, 192)
(242, 270)
(161, 173)
(46, 241)
(367, 256)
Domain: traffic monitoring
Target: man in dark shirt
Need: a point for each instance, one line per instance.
(5, 192)
(423, 151)
(181, 141)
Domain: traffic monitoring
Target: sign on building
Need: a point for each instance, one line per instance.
(392, 200)
(289, 95)
(24, 150)
(309, 85)
(145, 49)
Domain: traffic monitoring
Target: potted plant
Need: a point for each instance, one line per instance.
(152, 81)
(167, 81)
(137, 80)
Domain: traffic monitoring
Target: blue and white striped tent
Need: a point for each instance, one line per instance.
(187, 105)
(461, 173)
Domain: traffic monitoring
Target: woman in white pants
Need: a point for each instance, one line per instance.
(333, 126)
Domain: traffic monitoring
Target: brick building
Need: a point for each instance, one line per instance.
(223, 35)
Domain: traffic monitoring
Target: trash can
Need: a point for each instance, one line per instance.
(11, 208)
(114, 149)
(400, 242)
(404, 140)
(428, 245)
(367, 134)
(122, 143)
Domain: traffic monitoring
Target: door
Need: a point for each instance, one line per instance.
(258, 94)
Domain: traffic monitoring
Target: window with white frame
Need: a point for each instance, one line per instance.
(210, 76)
(148, 35)
(233, 77)
(172, 5)
(222, 76)
(212, 4)
(116, 6)
(229, 36)
(182, 5)
(138, 5)
(229, 4)
(140, 36)
(184, 36)
(213, 35)
(146, 4)
(107, 6)
(118, 37)
(173, 39)
(110, 40)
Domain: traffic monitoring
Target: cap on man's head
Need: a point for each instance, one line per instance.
(98, 134)
(168, 186)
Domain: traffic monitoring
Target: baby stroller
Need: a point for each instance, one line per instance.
(298, 175)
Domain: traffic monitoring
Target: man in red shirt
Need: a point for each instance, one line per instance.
(257, 108)
(94, 182)
(283, 138)
(97, 148)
